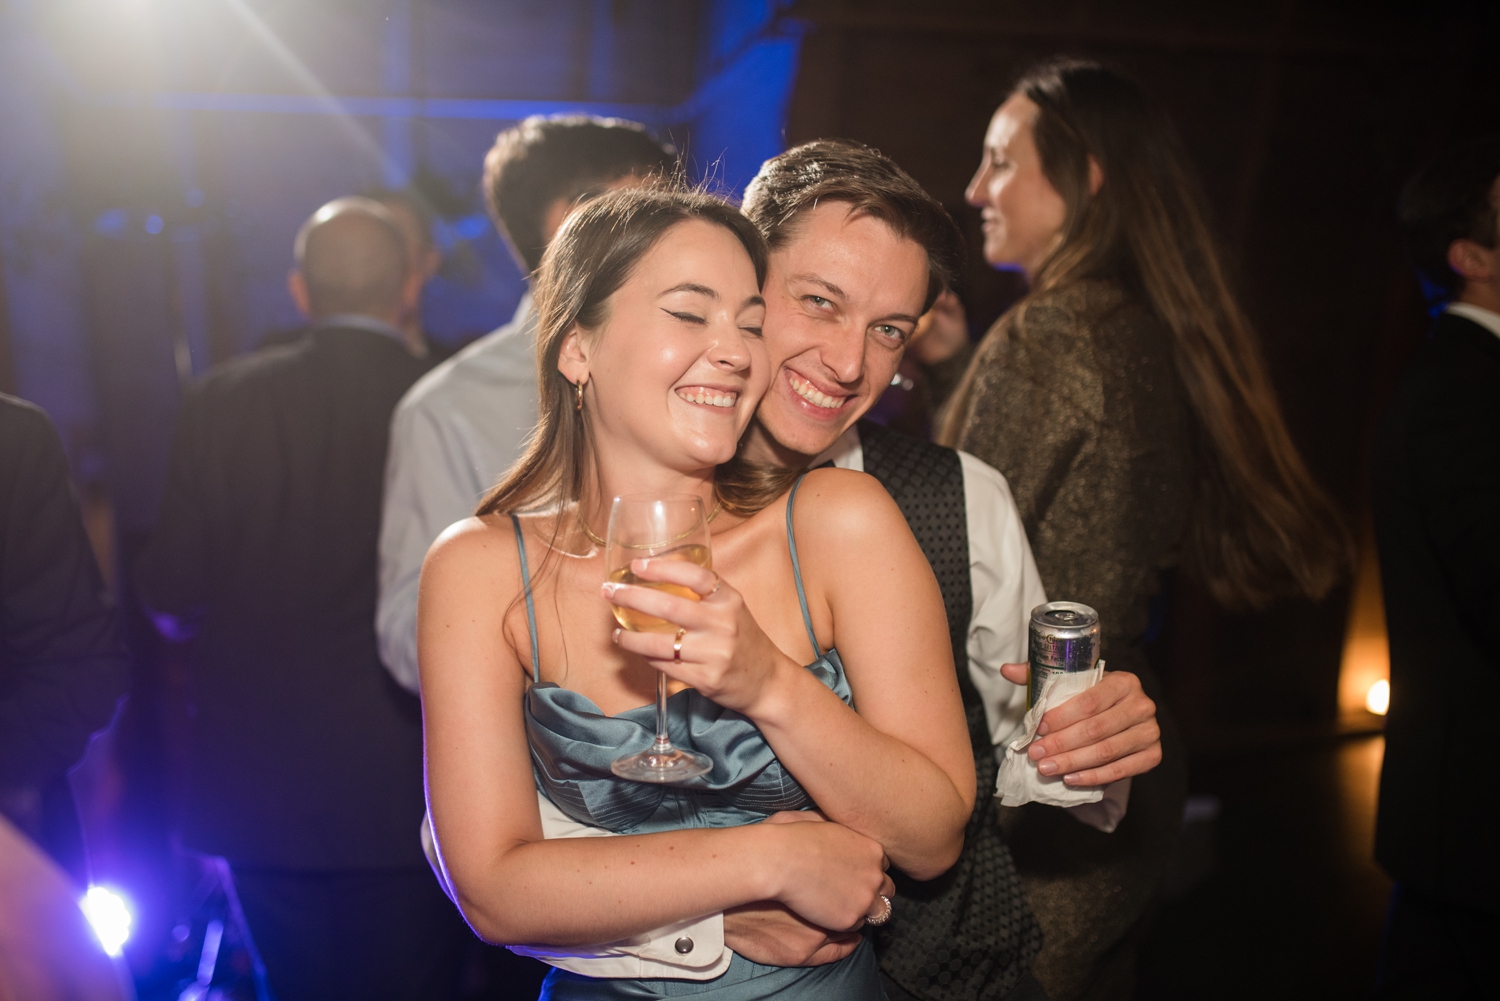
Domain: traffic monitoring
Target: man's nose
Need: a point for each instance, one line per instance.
(844, 355)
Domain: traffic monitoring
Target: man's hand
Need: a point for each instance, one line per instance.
(1099, 736)
(772, 934)
(941, 331)
(769, 933)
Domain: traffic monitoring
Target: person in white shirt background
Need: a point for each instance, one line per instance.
(463, 423)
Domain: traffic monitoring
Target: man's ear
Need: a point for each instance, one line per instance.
(297, 286)
(411, 292)
(573, 358)
(1470, 261)
(1096, 176)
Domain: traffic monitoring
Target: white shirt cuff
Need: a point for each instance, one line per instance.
(687, 950)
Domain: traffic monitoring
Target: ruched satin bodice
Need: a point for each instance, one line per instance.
(573, 743)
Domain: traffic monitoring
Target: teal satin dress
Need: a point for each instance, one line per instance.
(572, 745)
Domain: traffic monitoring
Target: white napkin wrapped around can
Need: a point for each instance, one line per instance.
(1019, 782)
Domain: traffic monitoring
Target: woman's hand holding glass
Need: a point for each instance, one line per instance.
(724, 654)
(669, 529)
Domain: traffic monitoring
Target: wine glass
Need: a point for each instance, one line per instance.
(659, 528)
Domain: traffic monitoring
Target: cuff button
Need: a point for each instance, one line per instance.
(683, 946)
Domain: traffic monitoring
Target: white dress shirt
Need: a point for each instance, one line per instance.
(453, 434)
(1004, 579)
(1006, 587)
(1486, 318)
(359, 321)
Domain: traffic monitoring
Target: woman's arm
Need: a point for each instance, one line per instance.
(513, 886)
(908, 769)
(899, 770)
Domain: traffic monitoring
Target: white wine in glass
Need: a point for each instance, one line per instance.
(658, 528)
(640, 622)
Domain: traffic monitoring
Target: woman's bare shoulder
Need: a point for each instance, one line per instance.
(847, 506)
(855, 543)
(483, 545)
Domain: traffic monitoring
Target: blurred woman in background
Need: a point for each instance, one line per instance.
(1127, 403)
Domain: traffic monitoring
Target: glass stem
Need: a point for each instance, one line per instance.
(662, 743)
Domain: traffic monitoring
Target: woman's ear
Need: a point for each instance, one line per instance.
(573, 357)
(1096, 176)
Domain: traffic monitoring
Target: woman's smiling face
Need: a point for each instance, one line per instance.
(1023, 214)
(678, 367)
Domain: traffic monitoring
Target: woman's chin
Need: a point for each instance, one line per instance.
(706, 453)
(998, 256)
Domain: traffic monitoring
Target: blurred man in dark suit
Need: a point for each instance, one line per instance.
(412, 216)
(307, 765)
(62, 661)
(1437, 520)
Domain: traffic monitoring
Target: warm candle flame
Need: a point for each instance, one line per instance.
(1366, 662)
(1378, 698)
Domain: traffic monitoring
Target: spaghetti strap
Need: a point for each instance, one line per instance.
(791, 541)
(536, 657)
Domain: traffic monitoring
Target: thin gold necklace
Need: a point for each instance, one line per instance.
(718, 506)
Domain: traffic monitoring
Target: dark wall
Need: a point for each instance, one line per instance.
(1303, 118)
(7, 359)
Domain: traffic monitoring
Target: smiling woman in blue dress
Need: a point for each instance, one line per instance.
(650, 367)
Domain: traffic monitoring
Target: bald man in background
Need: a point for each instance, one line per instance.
(307, 758)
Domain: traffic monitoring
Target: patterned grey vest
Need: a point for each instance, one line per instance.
(967, 935)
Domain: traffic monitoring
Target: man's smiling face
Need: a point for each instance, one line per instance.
(843, 294)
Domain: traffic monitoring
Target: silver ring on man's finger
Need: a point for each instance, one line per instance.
(889, 907)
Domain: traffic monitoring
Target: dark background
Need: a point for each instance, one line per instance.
(150, 185)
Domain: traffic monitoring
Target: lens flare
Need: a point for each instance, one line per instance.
(1378, 698)
(108, 913)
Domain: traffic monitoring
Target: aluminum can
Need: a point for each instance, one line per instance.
(1064, 639)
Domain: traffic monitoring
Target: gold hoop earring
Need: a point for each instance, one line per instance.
(578, 395)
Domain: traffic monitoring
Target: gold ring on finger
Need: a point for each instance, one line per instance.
(677, 646)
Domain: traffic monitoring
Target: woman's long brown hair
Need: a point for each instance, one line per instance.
(592, 255)
(1262, 527)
